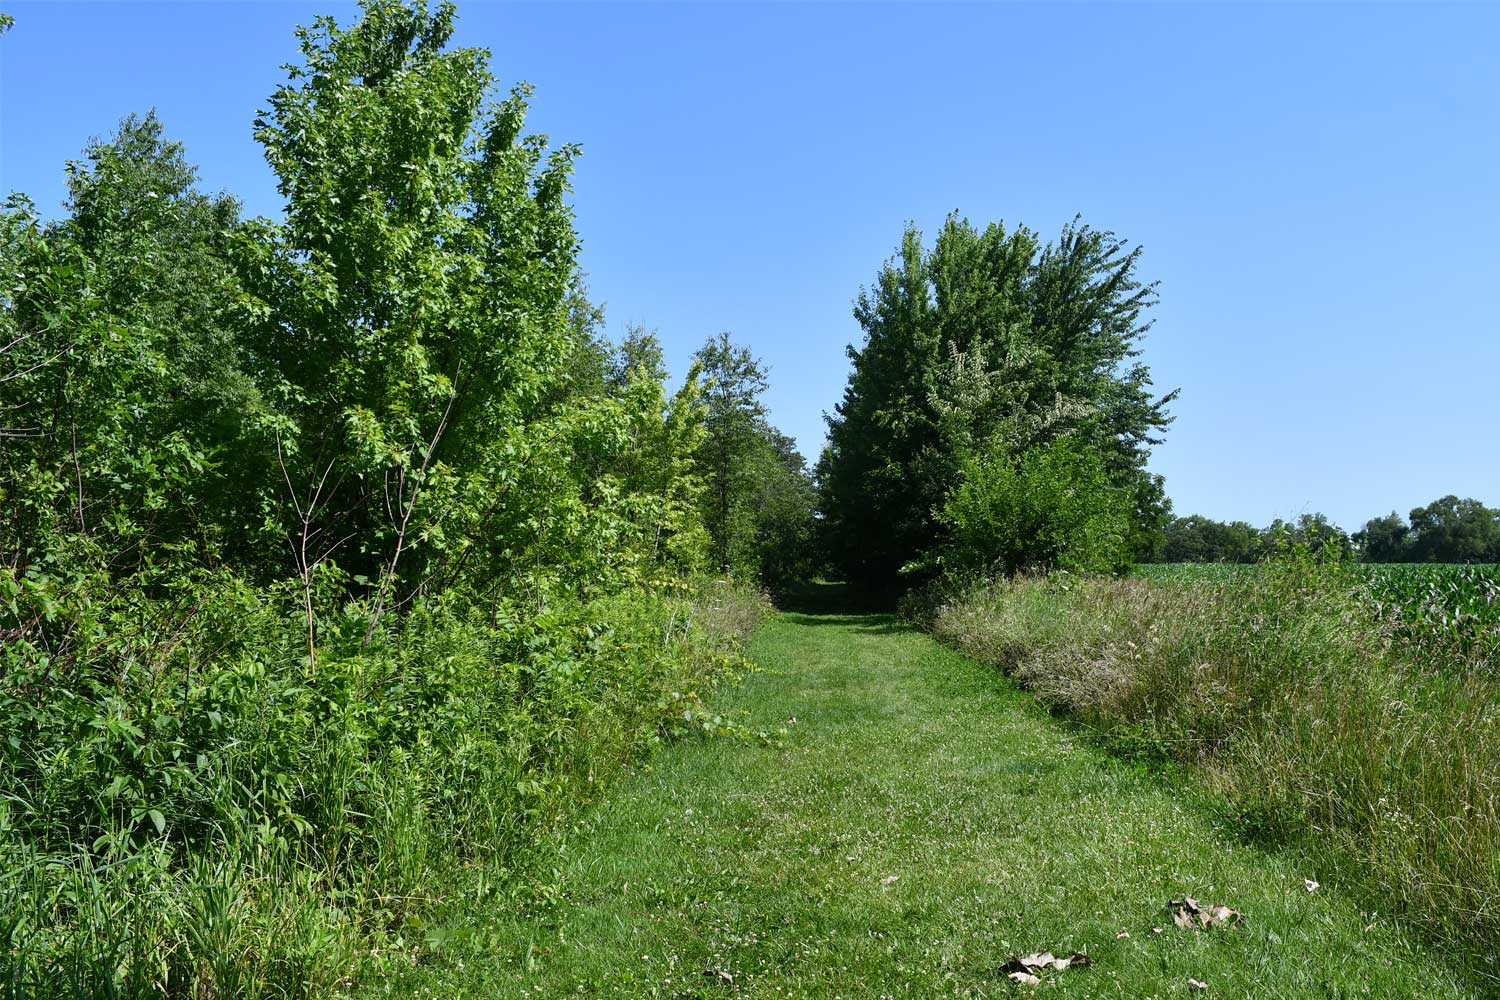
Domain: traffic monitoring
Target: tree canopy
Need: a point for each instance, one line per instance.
(990, 343)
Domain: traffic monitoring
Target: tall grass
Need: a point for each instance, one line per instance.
(218, 821)
(1286, 693)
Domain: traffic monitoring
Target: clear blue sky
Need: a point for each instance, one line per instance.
(1317, 189)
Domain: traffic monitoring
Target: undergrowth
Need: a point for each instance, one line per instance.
(192, 812)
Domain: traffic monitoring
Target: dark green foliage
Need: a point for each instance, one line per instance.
(1454, 530)
(1384, 539)
(1313, 532)
(1050, 508)
(784, 501)
(989, 342)
(1198, 539)
(119, 386)
(759, 501)
(1448, 530)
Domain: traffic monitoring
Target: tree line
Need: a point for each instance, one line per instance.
(397, 387)
(1448, 530)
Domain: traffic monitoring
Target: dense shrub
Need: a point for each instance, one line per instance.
(1282, 689)
(188, 811)
(1051, 507)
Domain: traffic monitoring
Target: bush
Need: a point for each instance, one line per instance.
(187, 810)
(1286, 693)
(1051, 508)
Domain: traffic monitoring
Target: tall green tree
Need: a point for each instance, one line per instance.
(988, 340)
(1454, 530)
(735, 380)
(412, 309)
(119, 384)
(784, 502)
(1384, 539)
(758, 498)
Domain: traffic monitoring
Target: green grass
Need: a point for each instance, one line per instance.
(1449, 610)
(1005, 833)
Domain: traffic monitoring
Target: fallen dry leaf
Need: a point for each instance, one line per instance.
(1122, 934)
(1197, 984)
(1310, 884)
(1025, 968)
(1187, 913)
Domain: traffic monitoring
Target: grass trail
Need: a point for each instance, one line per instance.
(923, 822)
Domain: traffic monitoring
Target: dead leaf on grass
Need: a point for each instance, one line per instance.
(1310, 885)
(1188, 913)
(1025, 969)
(1197, 984)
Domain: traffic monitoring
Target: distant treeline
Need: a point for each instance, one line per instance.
(1448, 530)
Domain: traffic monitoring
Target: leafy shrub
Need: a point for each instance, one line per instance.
(1049, 508)
(186, 810)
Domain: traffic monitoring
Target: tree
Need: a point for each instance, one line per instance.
(637, 356)
(988, 342)
(759, 500)
(1198, 539)
(1454, 530)
(1313, 531)
(1384, 539)
(119, 384)
(413, 308)
(784, 504)
(735, 381)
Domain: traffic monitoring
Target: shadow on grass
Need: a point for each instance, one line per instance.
(860, 624)
(822, 597)
(820, 603)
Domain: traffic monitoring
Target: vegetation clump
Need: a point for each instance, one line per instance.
(978, 351)
(342, 554)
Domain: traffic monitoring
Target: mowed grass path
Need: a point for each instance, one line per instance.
(922, 822)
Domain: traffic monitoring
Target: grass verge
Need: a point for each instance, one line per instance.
(1285, 697)
(920, 822)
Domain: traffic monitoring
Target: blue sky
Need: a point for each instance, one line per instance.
(1317, 189)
